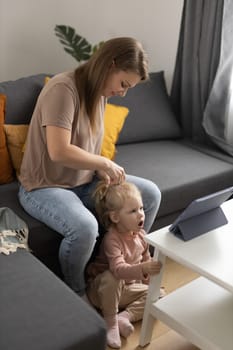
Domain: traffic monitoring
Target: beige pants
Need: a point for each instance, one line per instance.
(111, 295)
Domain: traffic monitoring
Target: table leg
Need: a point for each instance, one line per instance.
(152, 296)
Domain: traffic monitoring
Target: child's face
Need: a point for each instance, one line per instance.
(131, 217)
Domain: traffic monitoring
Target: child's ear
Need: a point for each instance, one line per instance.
(114, 217)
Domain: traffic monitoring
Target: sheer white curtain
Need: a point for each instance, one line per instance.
(218, 114)
(229, 120)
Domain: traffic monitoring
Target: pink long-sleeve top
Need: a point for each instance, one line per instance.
(122, 254)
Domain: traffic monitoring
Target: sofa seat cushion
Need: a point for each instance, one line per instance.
(38, 311)
(181, 172)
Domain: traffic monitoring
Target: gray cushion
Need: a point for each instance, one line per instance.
(21, 98)
(150, 113)
(181, 172)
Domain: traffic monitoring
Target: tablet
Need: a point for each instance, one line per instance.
(201, 215)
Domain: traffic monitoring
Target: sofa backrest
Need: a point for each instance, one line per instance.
(150, 113)
(21, 95)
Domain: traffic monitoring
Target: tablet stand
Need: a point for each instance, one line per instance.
(199, 224)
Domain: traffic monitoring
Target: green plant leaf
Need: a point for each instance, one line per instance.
(74, 44)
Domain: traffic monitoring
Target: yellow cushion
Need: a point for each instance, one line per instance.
(6, 169)
(114, 118)
(16, 137)
(46, 80)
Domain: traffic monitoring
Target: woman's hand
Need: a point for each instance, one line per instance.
(114, 174)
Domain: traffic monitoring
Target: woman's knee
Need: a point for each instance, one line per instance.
(149, 190)
(89, 227)
(84, 229)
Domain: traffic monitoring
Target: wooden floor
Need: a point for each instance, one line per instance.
(163, 338)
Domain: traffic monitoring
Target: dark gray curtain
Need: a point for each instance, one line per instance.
(196, 63)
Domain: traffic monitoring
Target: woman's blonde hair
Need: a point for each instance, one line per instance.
(126, 53)
(110, 198)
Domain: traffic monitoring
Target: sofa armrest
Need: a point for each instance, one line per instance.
(38, 311)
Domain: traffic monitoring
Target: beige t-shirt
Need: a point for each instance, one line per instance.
(58, 105)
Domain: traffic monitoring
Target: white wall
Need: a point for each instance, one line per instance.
(29, 45)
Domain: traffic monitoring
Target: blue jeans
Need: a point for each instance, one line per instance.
(71, 213)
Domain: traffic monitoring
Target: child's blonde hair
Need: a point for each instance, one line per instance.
(112, 197)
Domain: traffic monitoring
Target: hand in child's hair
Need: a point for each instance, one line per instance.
(151, 267)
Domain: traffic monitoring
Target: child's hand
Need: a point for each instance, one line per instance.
(151, 267)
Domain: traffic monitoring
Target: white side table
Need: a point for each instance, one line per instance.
(201, 311)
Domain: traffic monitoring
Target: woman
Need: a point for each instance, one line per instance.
(62, 160)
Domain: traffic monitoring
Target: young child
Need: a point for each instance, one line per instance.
(118, 277)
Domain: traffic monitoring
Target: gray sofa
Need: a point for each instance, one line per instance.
(150, 145)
